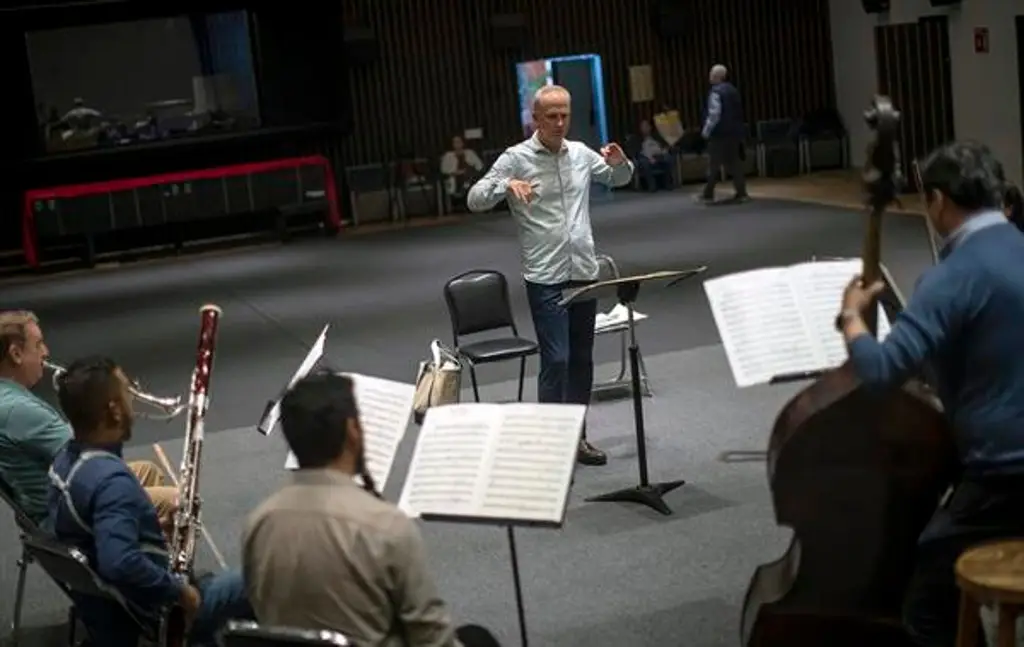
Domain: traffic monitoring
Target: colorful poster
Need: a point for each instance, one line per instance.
(533, 75)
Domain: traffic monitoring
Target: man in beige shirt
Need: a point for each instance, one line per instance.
(325, 553)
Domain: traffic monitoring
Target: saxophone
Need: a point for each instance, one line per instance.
(187, 521)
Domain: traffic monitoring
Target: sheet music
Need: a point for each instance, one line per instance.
(448, 462)
(820, 288)
(384, 410)
(312, 357)
(782, 320)
(497, 461)
(762, 330)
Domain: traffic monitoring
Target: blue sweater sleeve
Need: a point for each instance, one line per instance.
(118, 505)
(932, 317)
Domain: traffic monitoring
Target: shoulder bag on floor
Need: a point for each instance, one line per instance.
(439, 380)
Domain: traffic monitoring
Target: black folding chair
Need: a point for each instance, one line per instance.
(70, 569)
(250, 634)
(478, 301)
(25, 527)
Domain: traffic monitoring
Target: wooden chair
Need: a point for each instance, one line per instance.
(991, 575)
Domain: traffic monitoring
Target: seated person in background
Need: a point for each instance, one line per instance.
(98, 506)
(360, 567)
(32, 431)
(460, 167)
(655, 163)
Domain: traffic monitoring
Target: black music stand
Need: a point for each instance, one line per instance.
(626, 289)
(272, 410)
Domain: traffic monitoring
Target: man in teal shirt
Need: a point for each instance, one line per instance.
(32, 431)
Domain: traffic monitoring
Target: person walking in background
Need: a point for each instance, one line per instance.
(724, 131)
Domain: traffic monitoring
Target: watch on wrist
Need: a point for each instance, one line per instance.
(845, 317)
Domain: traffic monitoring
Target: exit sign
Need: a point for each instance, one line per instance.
(981, 40)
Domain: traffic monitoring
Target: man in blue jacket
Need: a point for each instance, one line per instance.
(725, 131)
(964, 320)
(98, 506)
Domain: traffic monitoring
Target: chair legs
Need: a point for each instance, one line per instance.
(522, 380)
(522, 377)
(19, 596)
(472, 378)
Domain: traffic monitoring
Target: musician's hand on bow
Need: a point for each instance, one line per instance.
(521, 190)
(858, 297)
(613, 155)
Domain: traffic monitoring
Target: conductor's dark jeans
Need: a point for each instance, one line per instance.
(978, 511)
(565, 335)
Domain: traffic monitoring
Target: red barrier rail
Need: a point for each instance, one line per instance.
(28, 236)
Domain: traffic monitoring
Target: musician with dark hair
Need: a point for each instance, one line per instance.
(964, 321)
(98, 506)
(360, 567)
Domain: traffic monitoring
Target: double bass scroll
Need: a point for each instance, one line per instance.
(855, 473)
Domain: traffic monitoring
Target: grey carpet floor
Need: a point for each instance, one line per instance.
(616, 574)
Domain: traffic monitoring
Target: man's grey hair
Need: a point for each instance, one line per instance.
(548, 90)
(13, 325)
(719, 72)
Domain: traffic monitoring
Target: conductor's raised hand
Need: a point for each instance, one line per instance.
(613, 155)
(521, 190)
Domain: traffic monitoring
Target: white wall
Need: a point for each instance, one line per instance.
(986, 103)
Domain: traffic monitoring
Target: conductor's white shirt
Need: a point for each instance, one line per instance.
(555, 236)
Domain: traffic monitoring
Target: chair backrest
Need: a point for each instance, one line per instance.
(606, 271)
(478, 301)
(67, 565)
(23, 520)
(251, 634)
(69, 568)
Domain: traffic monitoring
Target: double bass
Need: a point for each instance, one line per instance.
(856, 473)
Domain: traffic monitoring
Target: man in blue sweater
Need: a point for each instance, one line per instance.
(964, 321)
(98, 506)
(724, 130)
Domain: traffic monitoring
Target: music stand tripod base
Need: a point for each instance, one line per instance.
(651, 495)
(645, 493)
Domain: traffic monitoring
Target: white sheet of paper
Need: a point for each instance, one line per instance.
(500, 461)
(760, 324)
(820, 287)
(617, 316)
(312, 357)
(384, 410)
(778, 321)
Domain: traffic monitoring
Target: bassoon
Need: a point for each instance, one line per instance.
(187, 520)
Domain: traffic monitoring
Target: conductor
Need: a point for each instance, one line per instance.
(546, 180)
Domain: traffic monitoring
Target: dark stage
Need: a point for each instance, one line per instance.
(586, 585)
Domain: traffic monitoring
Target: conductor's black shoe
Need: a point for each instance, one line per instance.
(587, 454)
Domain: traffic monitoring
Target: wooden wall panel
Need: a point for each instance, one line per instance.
(914, 71)
(439, 73)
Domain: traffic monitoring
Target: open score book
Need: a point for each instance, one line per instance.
(781, 320)
(508, 464)
(384, 410)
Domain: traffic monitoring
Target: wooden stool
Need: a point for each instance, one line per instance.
(991, 575)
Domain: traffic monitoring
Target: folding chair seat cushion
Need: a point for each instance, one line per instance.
(497, 350)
